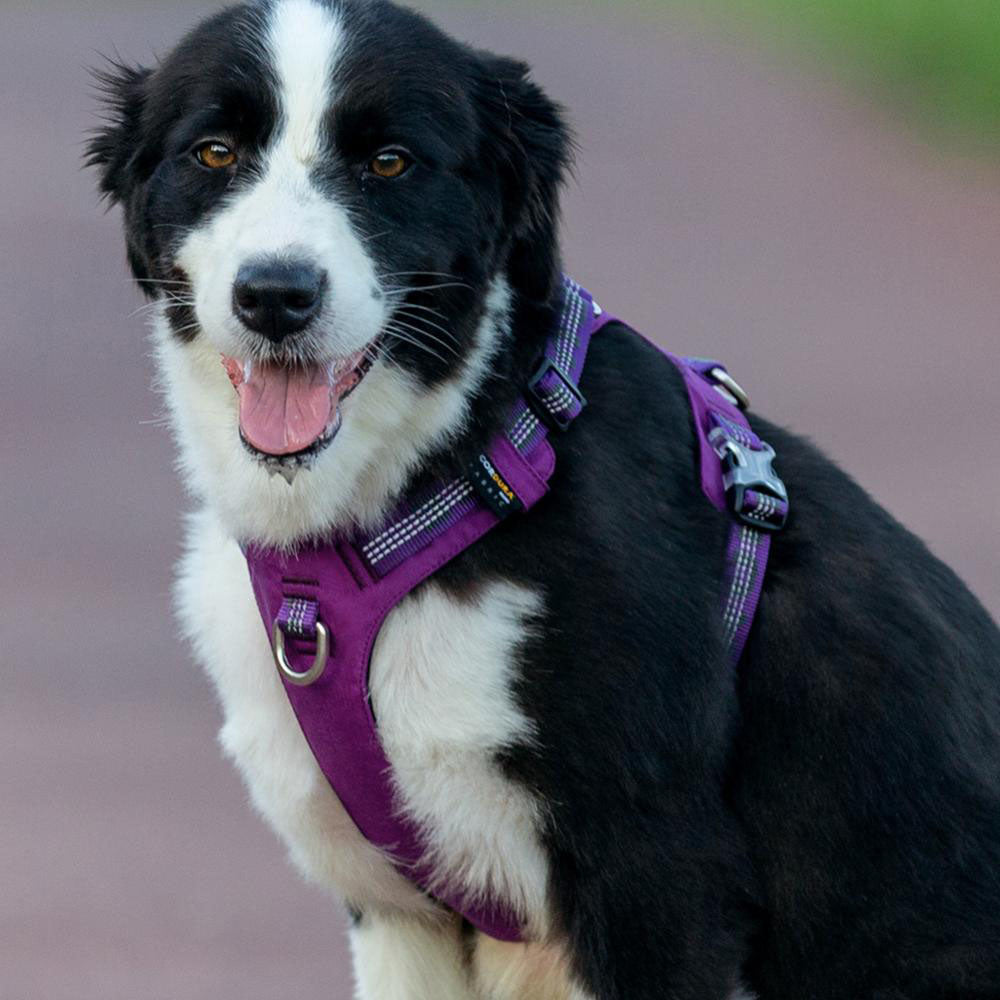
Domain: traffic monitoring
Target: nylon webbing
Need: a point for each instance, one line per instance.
(722, 427)
(420, 520)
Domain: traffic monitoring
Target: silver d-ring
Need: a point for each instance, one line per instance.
(314, 673)
(727, 382)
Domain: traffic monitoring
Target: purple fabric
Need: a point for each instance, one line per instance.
(335, 714)
(297, 617)
(555, 385)
(419, 520)
(417, 524)
(771, 510)
(352, 584)
(706, 401)
(748, 549)
(746, 563)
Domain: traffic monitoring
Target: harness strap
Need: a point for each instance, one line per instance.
(553, 396)
(348, 586)
(737, 476)
(298, 617)
(327, 602)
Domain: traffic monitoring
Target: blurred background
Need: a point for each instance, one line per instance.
(809, 191)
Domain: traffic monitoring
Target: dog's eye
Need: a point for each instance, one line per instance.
(389, 164)
(215, 155)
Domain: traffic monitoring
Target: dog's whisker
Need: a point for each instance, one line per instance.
(187, 328)
(419, 274)
(164, 281)
(376, 352)
(446, 281)
(146, 307)
(429, 288)
(423, 319)
(168, 302)
(413, 342)
(422, 308)
(420, 333)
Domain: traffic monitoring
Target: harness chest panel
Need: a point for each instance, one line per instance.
(325, 604)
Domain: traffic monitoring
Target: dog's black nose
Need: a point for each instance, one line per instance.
(277, 298)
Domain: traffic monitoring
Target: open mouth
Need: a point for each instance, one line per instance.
(289, 413)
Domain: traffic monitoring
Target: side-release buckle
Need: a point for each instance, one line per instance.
(756, 493)
(554, 396)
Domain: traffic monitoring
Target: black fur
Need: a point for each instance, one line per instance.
(823, 824)
(490, 150)
(827, 822)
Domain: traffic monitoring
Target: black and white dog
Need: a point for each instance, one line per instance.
(359, 215)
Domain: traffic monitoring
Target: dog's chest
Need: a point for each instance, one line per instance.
(441, 677)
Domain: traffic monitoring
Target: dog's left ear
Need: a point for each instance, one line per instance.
(115, 145)
(532, 148)
(116, 148)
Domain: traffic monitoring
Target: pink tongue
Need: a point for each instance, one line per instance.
(284, 410)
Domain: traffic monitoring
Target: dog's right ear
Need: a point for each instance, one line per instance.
(114, 146)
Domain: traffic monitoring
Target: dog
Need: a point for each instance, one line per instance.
(347, 223)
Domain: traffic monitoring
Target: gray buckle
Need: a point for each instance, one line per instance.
(746, 469)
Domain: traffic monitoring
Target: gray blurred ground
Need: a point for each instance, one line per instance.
(726, 205)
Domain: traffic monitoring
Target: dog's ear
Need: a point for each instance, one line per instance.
(116, 147)
(532, 148)
(116, 143)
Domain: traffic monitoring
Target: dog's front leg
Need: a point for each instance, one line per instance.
(406, 958)
(504, 971)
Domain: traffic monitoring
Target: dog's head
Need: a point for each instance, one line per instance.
(336, 209)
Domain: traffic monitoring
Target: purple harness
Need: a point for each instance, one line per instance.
(325, 604)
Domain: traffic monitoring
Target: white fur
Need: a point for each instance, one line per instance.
(260, 732)
(437, 661)
(442, 667)
(284, 214)
(504, 971)
(441, 689)
(398, 959)
(389, 423)
(306, 42)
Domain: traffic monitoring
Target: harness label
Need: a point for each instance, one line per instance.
(493, 489)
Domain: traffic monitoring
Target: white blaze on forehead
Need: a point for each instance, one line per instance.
(281, 210)
(305, 40)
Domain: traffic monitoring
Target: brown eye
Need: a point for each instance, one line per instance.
(389, 165)
(215, 155)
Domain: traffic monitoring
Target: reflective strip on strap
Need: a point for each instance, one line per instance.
(737, 476)
(772, 510)
(738, 432)
(746, 563)
(298, 616)
(425, 517)
(419, 522)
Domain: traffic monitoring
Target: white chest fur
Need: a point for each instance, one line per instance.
(440, 685)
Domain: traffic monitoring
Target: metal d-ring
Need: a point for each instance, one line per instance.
(727, 382)
(314, 673)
